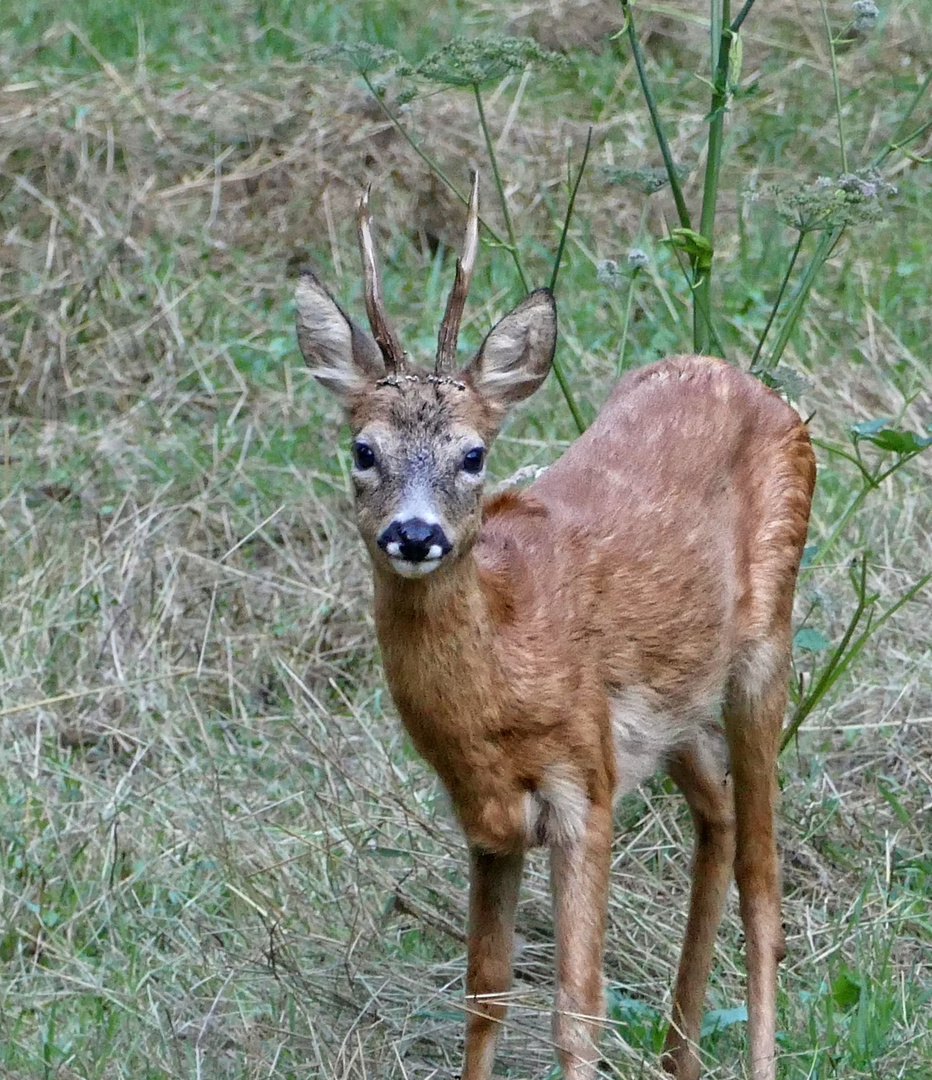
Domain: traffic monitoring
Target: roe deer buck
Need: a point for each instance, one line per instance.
(550, 648)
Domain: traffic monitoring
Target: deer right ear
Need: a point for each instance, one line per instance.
(517, 355)
(340, 354)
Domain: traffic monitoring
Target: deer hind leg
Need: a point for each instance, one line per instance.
(494, 882)
(700, 771)
(579, 868)
(753, 720)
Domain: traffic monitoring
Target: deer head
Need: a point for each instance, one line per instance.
(420, 435)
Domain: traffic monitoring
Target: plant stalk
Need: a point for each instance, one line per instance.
(681, 210)
(821, 254)
(512, 245)
(702, 279)
(506, 213)
(627, 320)
(797, 247)
(842, 657)
(897, 140)
(836, 84)
(431, 164)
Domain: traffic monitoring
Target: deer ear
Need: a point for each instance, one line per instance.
(340, 354)
(516, 356)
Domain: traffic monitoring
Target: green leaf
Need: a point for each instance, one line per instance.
(810, 640)
(719, 1019)
(899, 442)
(846, 991)
(622, 1007)
(693, 244)
(870, 427)
(901, 812)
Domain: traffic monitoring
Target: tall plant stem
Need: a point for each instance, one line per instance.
(702, 278)
(629, 302)
(428, 160)
(742, 15)
(509, 244)
(823, 250)
(506, 213)
(897, 140)
(681, 210)
(854, 504)
(837, 86)
(776, 304)
(557, 363)
(512, 246)
(564, 385)
(842, 656)
(869, 482)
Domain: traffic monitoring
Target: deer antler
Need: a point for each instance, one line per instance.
(450, 327)
(385, 338)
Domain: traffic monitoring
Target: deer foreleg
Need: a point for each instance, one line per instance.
(579, 871)
(493, 896)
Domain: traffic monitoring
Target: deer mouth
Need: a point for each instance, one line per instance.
(408, 569)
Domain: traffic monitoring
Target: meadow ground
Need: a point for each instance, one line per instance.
(219, 856)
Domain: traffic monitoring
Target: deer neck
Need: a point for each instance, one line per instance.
(438, 636)
(441, 620)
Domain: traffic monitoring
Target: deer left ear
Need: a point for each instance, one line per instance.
(517, 355)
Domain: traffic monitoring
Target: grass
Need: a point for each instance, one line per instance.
(219, 856)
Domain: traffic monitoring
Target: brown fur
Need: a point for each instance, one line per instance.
(661, 551)
(586, 631)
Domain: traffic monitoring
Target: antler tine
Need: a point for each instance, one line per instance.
(450, 327)
(384, 335)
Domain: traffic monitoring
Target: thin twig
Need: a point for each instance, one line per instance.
(821, 255)
(741, 16)
(569, 212)
(436, 169)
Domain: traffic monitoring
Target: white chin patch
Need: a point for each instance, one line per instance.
(414, 569)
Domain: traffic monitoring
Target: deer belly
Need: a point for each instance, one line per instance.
(644, 733)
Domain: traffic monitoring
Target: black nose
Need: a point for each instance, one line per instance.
(414, 540)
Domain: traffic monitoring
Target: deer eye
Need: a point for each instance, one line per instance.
(363, 456)
(472, 462)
